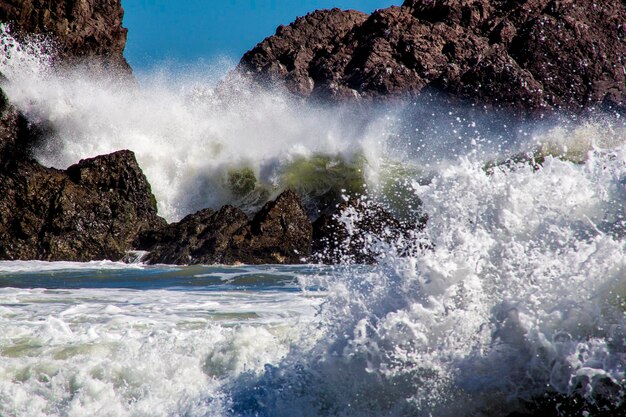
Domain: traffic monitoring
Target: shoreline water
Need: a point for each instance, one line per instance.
(509, 301)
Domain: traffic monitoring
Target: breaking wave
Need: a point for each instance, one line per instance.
(510, 300)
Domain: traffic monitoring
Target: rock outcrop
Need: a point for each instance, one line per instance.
(93, 210)
(84, 31)
(528, 55)
(279, 233)
(359, 231)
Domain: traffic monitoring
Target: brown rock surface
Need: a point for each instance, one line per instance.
(280, 233)
(83, 30)
(91, 211)
(523, 54)
(357, 231)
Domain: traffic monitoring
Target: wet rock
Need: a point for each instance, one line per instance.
(295, 48)
(83, 31)
(199, 238)
(12, 123)
(527, 55)
(279, 233)
(359, 231)
(94, 210)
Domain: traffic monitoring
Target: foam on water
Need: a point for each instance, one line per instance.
(112, 352)
(521, 293)
(514, 289)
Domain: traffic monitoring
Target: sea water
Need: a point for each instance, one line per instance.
(509, 300)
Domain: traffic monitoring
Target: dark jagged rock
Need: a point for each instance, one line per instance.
(525, 54)
(357, 231)
(84, 31)
(17, 135)
(96, 208)
(202, 237)
(11, 124)
(279, 233)
(290, 54)
(93, 210)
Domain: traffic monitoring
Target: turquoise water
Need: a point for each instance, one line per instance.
(117, 275)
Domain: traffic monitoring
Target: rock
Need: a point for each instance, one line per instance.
(357, 232)
(93, 210)
(526, 55)
(11, 125)
(289, 54)
(279, 233)
(84, 31)
(199, 238)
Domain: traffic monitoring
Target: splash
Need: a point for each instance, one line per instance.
(204, 142)
(517, 306)
(192, 137)
(510, 300)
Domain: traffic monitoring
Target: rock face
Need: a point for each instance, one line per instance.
(279, 233)
(357, 232)
(84, 30)
(522, 54)
(12, 128)
(96, 208)
(93, 210)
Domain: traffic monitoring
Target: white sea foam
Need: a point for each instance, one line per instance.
(515, 288)
(135, 353)
(521, 292)
(11, 267)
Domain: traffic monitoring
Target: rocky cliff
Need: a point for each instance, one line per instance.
(87, 32)
(522, 54)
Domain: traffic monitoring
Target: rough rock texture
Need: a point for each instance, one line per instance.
(524, 54)
(89, 32)
(279, 233)
(93, 210)
(12, 128)
(83, 30)
(357, 232)
(96, 208)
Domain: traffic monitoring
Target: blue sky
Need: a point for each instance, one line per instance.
(193, 31)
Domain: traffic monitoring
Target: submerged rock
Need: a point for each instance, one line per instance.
(92, 211)
(279, 233)
(526, 55)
